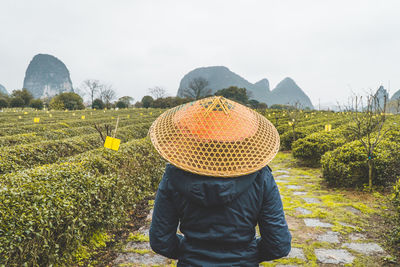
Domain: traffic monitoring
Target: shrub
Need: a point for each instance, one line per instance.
(311, 148)
(3, 103)
(67, 100)
(121, 104)
(36, 104)
(17, 102)
(98, 104)
(347, 166)
(394, 234)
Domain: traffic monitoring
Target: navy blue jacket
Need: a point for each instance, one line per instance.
(217, 217)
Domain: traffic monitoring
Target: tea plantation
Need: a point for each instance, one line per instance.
(61, 191)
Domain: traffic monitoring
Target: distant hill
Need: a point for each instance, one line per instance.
(47, 76)
(395, 95)
(220, 77)
(288, 92)
(3, 90)
(380, 94)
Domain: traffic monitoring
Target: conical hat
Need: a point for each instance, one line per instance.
(216, 137)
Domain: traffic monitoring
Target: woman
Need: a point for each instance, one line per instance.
(217, 187)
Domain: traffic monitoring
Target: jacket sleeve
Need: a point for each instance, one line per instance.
(163, 237)
(275, 241)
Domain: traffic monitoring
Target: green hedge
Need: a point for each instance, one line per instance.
(311, 148)
(49, 211)
(47, 152)
(394, 234)
(347, 166)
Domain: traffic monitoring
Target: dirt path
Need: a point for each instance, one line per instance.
(329, 228)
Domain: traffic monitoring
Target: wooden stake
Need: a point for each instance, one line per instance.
(116, 127)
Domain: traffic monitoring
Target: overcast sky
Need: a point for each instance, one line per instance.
(330, 48)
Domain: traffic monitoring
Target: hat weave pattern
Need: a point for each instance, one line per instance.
(215, 137)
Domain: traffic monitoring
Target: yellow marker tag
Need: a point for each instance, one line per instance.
(151, 113)
(73, 114)
(290, 123)
(47, 111)
(94, 109)
(83, 117)
(328, 128)
(36, 120)
(112, 143)
(19, 117)
(141, 114)
(25, 112)
(50, 115)
(129, 116)
(66, 110)
(112, 118)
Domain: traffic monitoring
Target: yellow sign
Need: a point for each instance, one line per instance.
(50, 115)
(36, 120)
(19, 117)
(25, 112)
(83, 117)
(151, 113)
(328, 128)
(73, 114)
(112, 143)
(141, 114)
(129, 116)
(290, 123)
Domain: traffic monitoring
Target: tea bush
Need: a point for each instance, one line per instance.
(347, 165)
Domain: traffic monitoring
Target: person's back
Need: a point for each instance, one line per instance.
(218, 217)
(218, 186)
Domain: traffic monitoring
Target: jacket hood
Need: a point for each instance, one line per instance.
(206, 190)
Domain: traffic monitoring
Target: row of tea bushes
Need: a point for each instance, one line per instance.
(26, 156)
(394, 233)
(38, 128)
(49, 211)
(288, 137)
(56, 134)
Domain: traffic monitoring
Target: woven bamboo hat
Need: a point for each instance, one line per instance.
(216, 137)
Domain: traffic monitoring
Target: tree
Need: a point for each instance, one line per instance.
(121, 104)
(98, 104)
(367, 125)
(67, 100)
(17, 102)
(24, 94)
(91, 87)
(37, 104)
(234, 93)
(107, 94)
(3, 103)
(157, 92)
(127, 100)
(147, 101)
(197, 88)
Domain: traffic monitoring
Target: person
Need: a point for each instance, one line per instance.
(217, 186)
